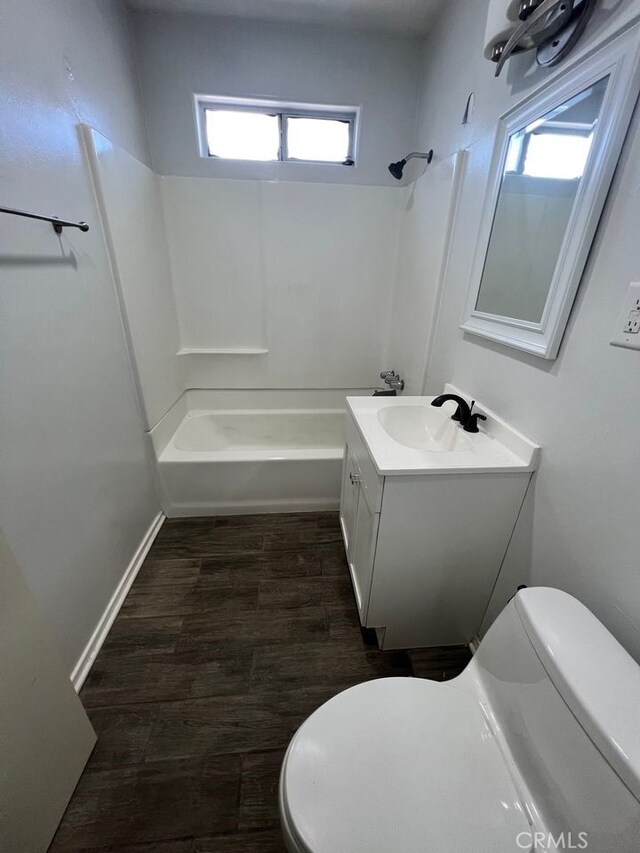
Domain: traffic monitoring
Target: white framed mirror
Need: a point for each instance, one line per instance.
(554, 158)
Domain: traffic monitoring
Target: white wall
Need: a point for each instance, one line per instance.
(216, 244)
(578, 530)
(130, 205)
(185, 54)
(77, 486)
(302, 270)
(428, 209)
(295, 259)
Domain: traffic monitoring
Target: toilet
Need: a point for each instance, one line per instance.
(534, 747)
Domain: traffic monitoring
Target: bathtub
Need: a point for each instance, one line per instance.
(226, 452)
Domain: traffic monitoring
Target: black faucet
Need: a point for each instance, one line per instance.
(463, 414)
(472, 424)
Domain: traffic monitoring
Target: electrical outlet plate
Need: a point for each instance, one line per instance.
(627, 330)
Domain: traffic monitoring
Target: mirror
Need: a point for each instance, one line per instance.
(552, 166)
(544, 165)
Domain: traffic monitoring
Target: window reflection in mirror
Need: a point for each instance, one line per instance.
(544, 164)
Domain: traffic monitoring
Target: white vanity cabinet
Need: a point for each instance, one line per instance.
(359, 517)
(424, 548)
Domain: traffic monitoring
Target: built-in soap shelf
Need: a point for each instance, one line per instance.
(223, 351)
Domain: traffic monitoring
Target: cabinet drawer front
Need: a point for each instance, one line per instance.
(370, 481)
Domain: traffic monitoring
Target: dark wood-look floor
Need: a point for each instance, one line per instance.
(236, 629)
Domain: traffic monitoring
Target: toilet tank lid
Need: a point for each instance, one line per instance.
(596, 677)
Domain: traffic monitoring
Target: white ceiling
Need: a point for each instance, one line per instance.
(407, 17)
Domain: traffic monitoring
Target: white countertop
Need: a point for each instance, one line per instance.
(496, 448)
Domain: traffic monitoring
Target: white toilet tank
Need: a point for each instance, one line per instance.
(564, 698)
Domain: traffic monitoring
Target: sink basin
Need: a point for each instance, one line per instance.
(407, 435)
(423, 428)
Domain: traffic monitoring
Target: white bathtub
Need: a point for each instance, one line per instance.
(222, 452)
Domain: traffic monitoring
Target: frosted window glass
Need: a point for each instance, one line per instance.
(242, 135)
(325, 140)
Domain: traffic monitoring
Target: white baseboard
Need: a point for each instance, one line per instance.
(90, 652)
(187, 510)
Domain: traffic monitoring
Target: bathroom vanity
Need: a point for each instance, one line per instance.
(426, 512)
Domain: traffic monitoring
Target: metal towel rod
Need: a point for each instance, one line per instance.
(58, 224)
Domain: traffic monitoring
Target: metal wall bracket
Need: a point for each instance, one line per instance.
(57, 223)
(555, 49)
(552, 27)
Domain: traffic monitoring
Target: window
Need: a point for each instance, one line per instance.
(242, 136)
(557, 155)
(549, 153)
(247, 129)
(557, 144)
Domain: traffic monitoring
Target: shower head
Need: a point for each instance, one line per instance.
(397, 169)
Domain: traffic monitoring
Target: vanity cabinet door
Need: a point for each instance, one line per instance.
(363, 554)
(349, 500)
